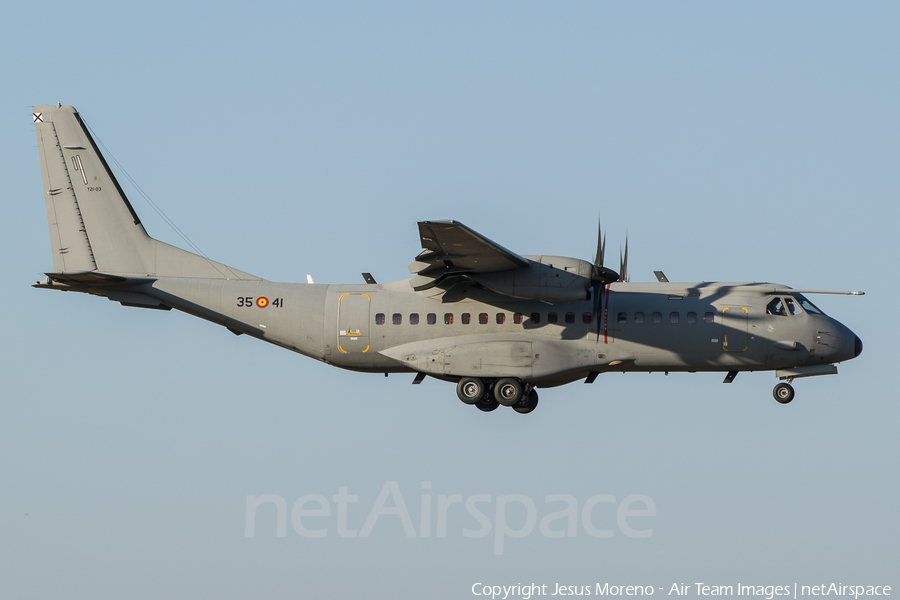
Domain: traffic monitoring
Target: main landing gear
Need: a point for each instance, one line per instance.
(487, 396)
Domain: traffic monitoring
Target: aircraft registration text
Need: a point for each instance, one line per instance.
(261, 302)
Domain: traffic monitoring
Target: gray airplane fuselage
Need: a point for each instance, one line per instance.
(390, 328)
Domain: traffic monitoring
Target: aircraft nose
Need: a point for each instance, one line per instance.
(857, 346)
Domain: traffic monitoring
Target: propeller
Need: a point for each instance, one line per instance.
(601, 276)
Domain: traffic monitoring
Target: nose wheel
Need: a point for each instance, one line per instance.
(783, 392)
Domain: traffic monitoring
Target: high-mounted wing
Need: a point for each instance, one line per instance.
(452, 249)
(455, 255)
(465, 249)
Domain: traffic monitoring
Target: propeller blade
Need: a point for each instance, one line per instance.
(600, 277)
(623, 262)
(601, 246)
(600, 274)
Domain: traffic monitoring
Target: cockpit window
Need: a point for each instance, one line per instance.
(807, 305)
(792, 307)
(776, 307)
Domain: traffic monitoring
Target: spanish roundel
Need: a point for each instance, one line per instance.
(262, 302)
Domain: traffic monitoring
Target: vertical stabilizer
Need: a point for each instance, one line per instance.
(93, 226)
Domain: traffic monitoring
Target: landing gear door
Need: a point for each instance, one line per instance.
(735, 328)
(353, 323)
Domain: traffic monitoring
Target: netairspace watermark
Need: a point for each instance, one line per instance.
(769, 592)
(312, 514)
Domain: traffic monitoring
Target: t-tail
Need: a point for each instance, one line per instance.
(95, 233)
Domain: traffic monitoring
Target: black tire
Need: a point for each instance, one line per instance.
(783, 392)
(487, 404)
(508, 392)
(470, 390)
(527, 404)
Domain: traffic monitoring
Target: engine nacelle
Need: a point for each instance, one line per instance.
(549, 278)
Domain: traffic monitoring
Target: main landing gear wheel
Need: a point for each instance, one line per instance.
(527, 404)
(470, 390)
(487, 404)
(508, 391)
(783, 392)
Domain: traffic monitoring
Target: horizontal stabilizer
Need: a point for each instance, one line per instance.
(89, 278)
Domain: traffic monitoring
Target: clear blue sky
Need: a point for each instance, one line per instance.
(738, 142)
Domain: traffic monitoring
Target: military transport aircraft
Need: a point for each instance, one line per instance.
(496, 323)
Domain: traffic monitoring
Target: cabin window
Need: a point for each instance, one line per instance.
(551, 317)
(379, 319)
(535, 318)
(397, 319)
(776, 307)
(793, 308)
(466, 318)
(482, 319)
(622, 317)
(414, 319)
(709, 317)
(673, 317)
(657, 317)
(448, 319)
(570, 318)
(692, 317)
(587, 318)
(501, 318)
(431, 318)
(639, 317)
(517, 318)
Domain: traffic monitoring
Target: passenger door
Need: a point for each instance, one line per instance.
(353, 323)
(735, 323)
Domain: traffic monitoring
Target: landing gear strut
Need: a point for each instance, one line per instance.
(783, 392)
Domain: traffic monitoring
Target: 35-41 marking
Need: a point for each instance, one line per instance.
(261, 302)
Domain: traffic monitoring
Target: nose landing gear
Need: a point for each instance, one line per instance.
(783, 393)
